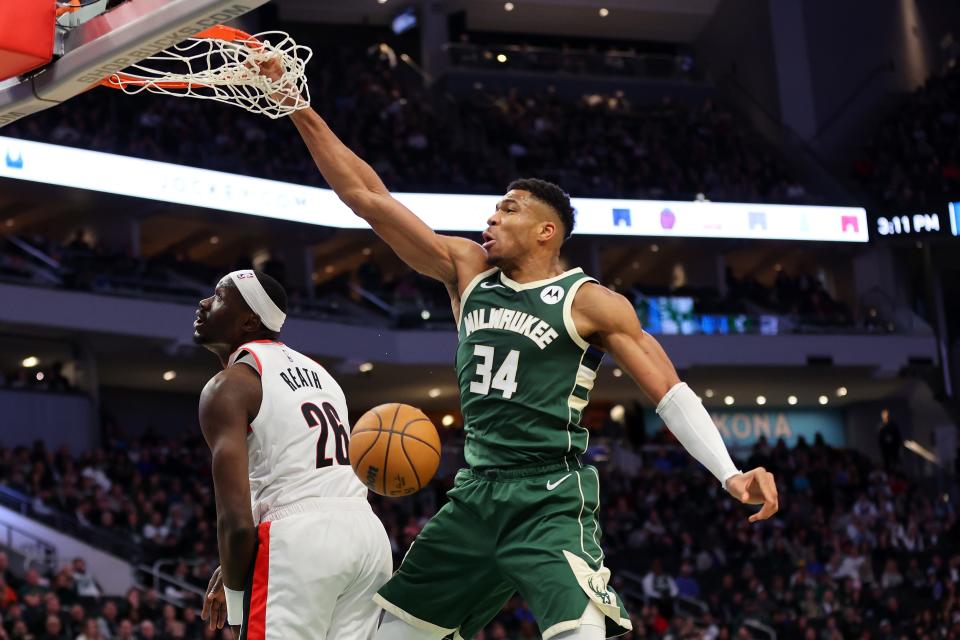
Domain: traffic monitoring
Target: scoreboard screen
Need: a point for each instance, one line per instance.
(908, 225)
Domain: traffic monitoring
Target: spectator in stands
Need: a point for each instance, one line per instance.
(148, 630)
(889, 539)
(660, 588)
(76, 619)
(156, 530)
(53, 629)
(91, 631)
(913, 161)
(7, 595)
(125, 631)
(85, 584)
(889, 439)
(687, 584)
(599, 145)
(108, 621)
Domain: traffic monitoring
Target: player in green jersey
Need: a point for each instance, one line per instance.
(523, 516)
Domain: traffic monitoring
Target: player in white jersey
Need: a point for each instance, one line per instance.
(301, 551)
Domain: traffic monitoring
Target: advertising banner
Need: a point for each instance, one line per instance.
(743, 428)
(177, 184)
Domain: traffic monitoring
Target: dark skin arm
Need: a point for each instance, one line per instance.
(228, 404)
(453, 261)
(610, 322)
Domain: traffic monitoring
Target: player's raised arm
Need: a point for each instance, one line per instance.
(609, 319)
(444, 258)
(451, 260)
(224, 417)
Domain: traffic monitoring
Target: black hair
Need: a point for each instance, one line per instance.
(552, 195)
(276, 292)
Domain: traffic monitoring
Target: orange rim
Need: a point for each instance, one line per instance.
(121, 80)
(218, 32)
(70, 8)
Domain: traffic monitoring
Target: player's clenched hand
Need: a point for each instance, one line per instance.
(215, 602)
(756, 486)
(272, 69)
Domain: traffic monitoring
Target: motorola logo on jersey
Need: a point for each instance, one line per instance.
(552, 294)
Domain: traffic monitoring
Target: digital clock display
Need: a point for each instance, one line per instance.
(918, 223)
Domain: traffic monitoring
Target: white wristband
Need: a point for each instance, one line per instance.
(234, 606)
(684, 414)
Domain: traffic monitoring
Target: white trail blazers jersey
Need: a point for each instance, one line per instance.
(298, 444)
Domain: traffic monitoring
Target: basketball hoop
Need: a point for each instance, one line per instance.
(223, 64)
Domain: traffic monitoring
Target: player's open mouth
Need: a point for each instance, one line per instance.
(488, 240)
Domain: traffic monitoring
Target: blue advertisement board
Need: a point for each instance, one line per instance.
(745, 428)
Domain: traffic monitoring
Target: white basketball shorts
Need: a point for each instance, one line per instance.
(318, 564)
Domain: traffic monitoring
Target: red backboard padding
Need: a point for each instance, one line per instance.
(26, 35)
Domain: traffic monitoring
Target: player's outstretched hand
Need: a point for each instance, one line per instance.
(272, 69)
(215, 603)
(756, 486)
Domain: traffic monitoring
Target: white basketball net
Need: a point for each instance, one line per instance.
(226, 71)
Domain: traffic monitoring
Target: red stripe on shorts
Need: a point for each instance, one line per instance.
(257, 626)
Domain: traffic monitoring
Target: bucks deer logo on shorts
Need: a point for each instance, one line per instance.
(601, 590)
(594, 582)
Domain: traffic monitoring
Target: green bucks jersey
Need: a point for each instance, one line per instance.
(525, 374)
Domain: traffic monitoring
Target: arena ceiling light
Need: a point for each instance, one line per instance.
(30, 361)
(168, 376)
(434, 393)
(618, 413)
(508, 6)
(761, 400)
(617, 372)
(708, 393)
(823, 399)
(365, 367)
(841, 392)
(604, 12)
(447, 420)
(729, 400)
(792, 400)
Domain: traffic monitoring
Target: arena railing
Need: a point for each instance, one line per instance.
(33, 549)
(758, 628)
(572, 61)
(120, 546)
(161, 581)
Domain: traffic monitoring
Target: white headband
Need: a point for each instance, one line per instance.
(257, 298)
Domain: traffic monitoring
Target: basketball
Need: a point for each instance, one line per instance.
(394, 449)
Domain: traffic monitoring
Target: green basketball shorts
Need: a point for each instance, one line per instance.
(530, 530)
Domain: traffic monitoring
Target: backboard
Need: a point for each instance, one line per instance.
(110, 41)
